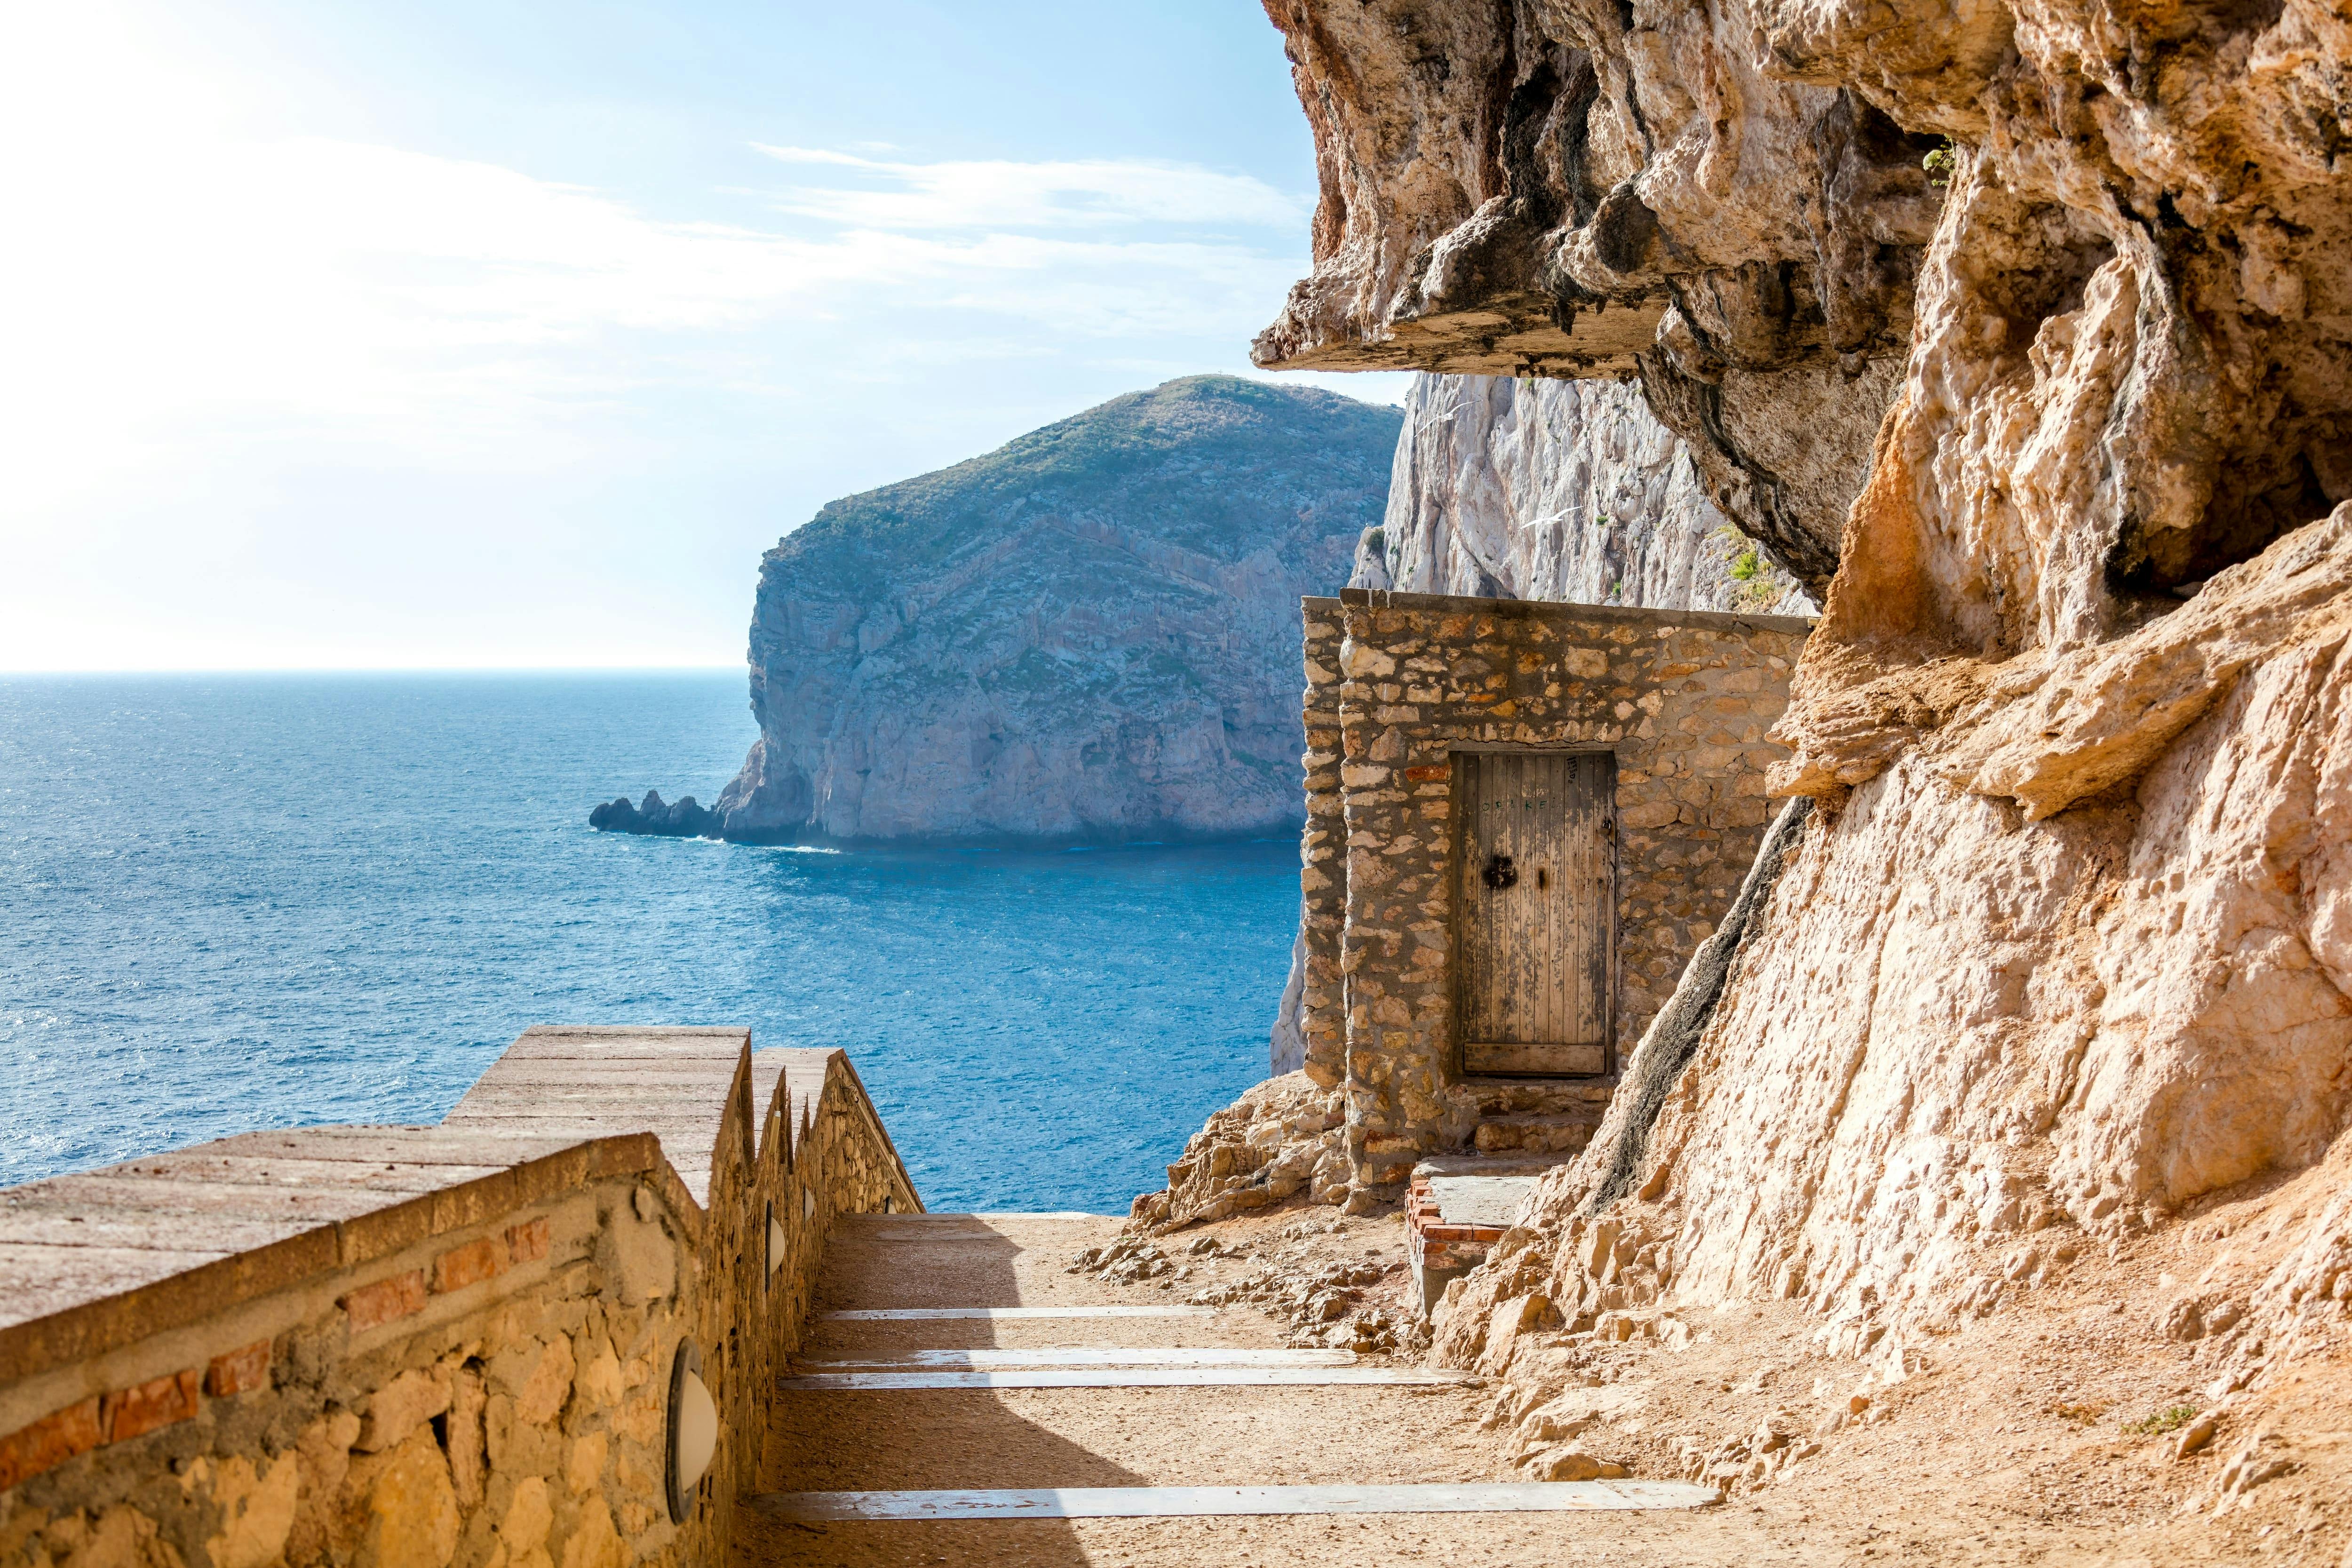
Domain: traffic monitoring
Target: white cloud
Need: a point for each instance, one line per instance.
(1086, 194)
(277, 397)
(179, 278)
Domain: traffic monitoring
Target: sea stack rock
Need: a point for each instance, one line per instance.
(656, 818)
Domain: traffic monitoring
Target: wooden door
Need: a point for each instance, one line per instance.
(1536, 911)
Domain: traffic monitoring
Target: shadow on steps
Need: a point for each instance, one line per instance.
(921, 1440)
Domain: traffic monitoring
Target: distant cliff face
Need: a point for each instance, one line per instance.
(1559, 489)
(1090, 634)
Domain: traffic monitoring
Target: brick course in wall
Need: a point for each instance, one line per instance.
(1403, 684)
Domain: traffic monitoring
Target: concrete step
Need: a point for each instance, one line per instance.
(1533, 1163)
(1136, 1377)
(1200, 1502)
(1007, 1314)
(994, 1357)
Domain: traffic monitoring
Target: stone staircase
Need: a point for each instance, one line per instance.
(1458, 1206)
(963, 1397)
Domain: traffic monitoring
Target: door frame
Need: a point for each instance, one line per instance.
(1458, 871)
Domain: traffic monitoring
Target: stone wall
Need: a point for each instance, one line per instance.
(446, 1347)
(1322, 844)
(1684, 699)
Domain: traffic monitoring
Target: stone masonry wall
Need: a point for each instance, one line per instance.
(453, 1351)
(1683, 699)
(1322, 873)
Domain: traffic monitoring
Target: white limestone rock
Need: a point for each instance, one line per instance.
(1568, 490)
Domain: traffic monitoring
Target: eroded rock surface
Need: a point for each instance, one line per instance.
(1577, 187)
(1282, 1139)
(2084, 1021)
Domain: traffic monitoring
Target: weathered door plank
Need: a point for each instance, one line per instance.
(1534, 958)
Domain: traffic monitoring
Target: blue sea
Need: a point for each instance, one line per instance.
(244, 901)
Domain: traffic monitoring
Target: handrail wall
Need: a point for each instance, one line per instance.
(430, 1347)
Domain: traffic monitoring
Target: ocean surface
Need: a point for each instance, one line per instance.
(231, 902)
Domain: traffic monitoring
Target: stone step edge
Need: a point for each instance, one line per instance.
(1196, 1502)
(1142, 1377)
(1591, 1117)
(995, 1358)
(993, 1314)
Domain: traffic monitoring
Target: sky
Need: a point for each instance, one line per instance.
(484, 333)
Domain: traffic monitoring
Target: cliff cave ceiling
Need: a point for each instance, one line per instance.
(2067, 275)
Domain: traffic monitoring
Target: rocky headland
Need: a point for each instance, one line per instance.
(1089, 635)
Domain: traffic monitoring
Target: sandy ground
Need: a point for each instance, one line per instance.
(2017, 1442)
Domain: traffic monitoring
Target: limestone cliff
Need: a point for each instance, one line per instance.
(2024, 330)
(1090, 634)
(1559, 489)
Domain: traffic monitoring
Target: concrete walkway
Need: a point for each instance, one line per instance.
(1122, 1432)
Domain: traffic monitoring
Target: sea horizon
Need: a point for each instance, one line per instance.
(256, 899)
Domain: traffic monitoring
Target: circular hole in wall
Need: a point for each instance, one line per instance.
(693, 1429)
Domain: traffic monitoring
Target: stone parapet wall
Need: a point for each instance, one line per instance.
(1683, 700)
(443, 1347)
